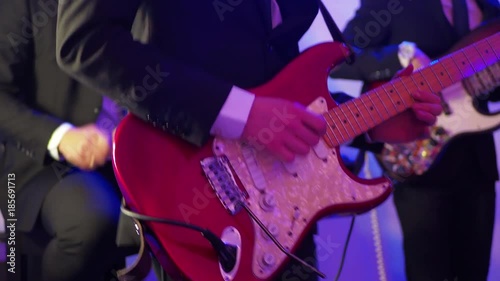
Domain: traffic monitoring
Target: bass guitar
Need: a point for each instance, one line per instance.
(460, 117)
(251, 209)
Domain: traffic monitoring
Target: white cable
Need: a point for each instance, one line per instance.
(377, 240)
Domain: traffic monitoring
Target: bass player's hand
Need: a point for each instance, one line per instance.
(413, 123)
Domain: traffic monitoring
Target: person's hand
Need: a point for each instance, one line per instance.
(411, 124)
(419, 60)
(85, 147)
(284, 128)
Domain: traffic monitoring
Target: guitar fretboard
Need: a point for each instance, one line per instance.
(357, 116)
(483, 82)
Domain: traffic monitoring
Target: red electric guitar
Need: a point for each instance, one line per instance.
(257, 205)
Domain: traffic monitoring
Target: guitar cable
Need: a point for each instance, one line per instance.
(344, 252)
(225, 252)
(278, 244)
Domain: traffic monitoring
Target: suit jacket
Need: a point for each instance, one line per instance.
(376, 31)
(199, 49)
(35, 98)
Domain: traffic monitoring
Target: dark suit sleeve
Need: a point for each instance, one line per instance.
(376, 59)
(27, 127)
(95, 45)
(490, 9)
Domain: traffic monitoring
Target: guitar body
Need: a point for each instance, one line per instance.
(459, 118)
(161, 176)
(404, 161)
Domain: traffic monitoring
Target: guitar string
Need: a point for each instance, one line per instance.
(356, 116)
(407, 88)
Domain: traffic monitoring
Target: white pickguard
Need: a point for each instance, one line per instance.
(464, 118)
(415, 158)
(288, 197)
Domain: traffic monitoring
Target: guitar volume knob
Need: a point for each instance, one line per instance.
(267, 260)
(267, 202)
(273, 230)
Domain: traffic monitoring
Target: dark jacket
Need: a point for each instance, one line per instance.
(376, 30)
(35, 98)
(180, 81)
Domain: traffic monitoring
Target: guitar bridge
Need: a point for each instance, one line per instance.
(223, 183)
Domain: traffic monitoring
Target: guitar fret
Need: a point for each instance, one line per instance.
(440, 71)
(473, 66)
(448, 73)
(492, 48)
(486, 52)
(431, 79)
(452, 69)
(356, 118)
(439, 81)
(409, 92)
(398, 93)
(411, 81)
(339, 140)
(481, 56)
(368, 123)
(344, 136)
(355, 102)
(333, 127)
(331, 131)
(383, 104)
(389, 96)
(423, 84)
(375, 107)
(362, 100)
(463, 61)
(346, 120)
(343, 121)
(462, 74)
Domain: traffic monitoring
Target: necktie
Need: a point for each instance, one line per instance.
(460, 17)
(275, 14)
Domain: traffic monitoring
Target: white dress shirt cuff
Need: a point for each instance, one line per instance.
(55, 140)
(234, 114)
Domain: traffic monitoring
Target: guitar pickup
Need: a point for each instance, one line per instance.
(221, 179)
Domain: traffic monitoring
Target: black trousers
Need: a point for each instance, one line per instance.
(447, 230)
(295, 271)
(80, 214)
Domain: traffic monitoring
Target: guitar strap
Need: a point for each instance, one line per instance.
(141, 266)
(335, 32)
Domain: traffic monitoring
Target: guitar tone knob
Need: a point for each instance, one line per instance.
(273, 229)
(267, 202)
(267, 260)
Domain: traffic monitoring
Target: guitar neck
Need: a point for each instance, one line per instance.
(357, 116)
(484, 81)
